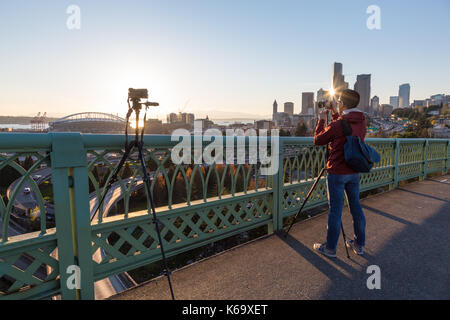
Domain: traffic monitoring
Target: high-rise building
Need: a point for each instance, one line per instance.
(437, 99)
(275, 110)
(403, 95)
(393, 101)
(172, 118)
(375, 105)
(386, 110)
(339, 83)
(289, 108)
(307, 103)
(362, 86)
(190, 117)
(320, 96)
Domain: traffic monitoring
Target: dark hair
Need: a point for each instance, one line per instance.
(350, 98)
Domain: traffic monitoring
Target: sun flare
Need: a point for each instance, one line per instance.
(133, 123)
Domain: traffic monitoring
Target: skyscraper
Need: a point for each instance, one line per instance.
(362, 86)
(375, 105)
(289, 108)
(393, 101)
(339, 83)
(403, 95)
(307, 103)
(319, 97)
(275, 110)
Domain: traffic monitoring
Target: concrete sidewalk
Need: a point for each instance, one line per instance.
(408, 237)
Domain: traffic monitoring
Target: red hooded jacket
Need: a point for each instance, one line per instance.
(334, 136)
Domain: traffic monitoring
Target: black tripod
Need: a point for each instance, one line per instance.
(135, 97)
(306, 199)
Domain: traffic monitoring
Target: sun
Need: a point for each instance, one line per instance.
(133, 123)
(332, 92)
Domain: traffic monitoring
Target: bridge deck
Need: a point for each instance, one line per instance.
(407, 237)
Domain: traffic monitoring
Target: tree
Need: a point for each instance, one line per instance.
(380, 133)
(368, 121)
(301, 129)
(284, 133)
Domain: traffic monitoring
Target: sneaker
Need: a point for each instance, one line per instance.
(324, 250)
(355, 247)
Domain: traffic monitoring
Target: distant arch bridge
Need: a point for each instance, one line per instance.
(89, 122)
(90, 116)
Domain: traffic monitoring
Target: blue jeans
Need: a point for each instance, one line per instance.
(337, 184)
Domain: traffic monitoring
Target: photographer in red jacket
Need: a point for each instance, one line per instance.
(340, 177)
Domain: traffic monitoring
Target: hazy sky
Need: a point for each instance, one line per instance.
(215, 57)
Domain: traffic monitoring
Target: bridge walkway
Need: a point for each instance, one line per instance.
(407, 237)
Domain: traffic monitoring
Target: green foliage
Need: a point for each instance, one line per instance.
(284, 133)
(368, 121)
(420, 123)
(301, 130)
(407, 134)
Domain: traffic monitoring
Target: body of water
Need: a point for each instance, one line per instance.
(226, 122)
(17, 126)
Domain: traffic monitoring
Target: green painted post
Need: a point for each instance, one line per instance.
(66, 250)
(277, 189)
(396, 163)
(83, 231)
(425, 162)
(70, 187)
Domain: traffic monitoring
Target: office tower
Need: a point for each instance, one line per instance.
(321, 94)
(362, 86)
(403, 95)
(393, 101)
(190, 117)
(289, 108)
(375, 105)
(307, 102)
(275, 110)
(319, 97)
(437, 99)
(386, 110)
(339, 83)
(172, 118)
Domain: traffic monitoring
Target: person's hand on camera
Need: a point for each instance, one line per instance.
(332, 106)
(323, 115)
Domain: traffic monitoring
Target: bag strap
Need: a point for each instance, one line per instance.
(346, 128)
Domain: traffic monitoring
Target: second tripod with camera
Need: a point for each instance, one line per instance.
(138, 98)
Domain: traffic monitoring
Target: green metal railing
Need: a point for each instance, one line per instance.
(197, 204)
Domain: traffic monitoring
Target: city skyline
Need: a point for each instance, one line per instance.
(220, 59)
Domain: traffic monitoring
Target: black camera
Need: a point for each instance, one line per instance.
(325, 98)
(321, 104)
(137, 94)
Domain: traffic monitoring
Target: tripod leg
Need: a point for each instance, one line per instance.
(128, 149)
(306, 199)
(155, 219)
(343, 233)
(345, 240)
